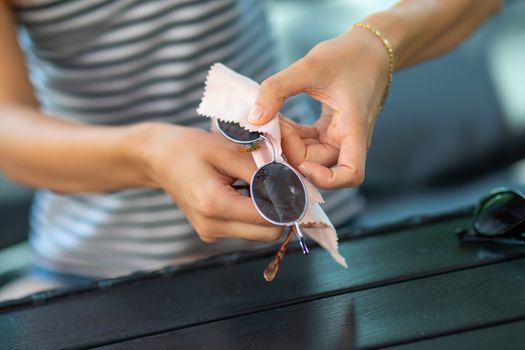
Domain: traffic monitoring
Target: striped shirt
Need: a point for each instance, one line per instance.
(114, 62)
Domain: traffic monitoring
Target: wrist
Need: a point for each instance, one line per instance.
(390, 53)
(374, 59)
(135, 149)
(394, 28)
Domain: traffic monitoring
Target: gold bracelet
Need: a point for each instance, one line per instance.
(390, 51)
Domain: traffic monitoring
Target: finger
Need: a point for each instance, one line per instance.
(331, 178)
(304, 131)
(350, 168)
(237, 207)
(216, 199)
(322, 153)
(222, 229)
(298, 150)
(253, 232)
(322, 124)
(292, 144)
(232, 162)
(308, 142)
(274, 90)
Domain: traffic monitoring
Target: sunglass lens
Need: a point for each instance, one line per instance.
(238, 133)
(279, 193)
(499, 213)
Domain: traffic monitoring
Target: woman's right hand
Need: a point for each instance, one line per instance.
(197, 169)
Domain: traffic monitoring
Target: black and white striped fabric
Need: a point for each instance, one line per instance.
(116, 62)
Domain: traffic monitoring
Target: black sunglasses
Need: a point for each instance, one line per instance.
(499, 217)
(277, 191)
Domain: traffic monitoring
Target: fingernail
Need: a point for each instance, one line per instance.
(255, 114)
(304, 170)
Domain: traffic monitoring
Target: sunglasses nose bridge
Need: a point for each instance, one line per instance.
(271, 146)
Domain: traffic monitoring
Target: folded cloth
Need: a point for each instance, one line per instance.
(229, 96)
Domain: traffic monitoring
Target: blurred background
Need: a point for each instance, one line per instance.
(452, 129)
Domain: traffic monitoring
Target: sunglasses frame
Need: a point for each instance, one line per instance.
(292, 223)
(511, 236)
(298, 230)
(250, 142)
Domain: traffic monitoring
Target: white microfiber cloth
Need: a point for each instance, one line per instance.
(229, 96)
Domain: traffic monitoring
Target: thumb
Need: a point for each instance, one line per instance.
(274, 91)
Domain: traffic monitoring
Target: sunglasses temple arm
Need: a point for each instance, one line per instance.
(300, 236)
(271, 270)
(477, 239)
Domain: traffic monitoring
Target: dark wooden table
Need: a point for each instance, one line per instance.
(410, 285)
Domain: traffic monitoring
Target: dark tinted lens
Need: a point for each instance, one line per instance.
(500, 213)
(237, 132)
(279, 193)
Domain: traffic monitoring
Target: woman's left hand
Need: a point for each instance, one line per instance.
(348, 75)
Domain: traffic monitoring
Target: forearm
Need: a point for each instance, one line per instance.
(45, 152)
(422, 29)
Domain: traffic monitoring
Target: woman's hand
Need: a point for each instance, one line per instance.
(197, 168)
(348, 75)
